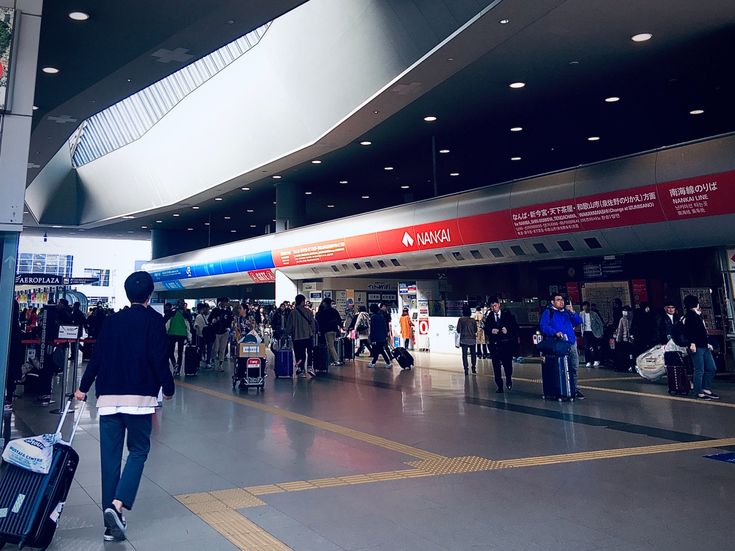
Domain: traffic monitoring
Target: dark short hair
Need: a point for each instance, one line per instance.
(586, 303)
(626, 308)
(466, 310)
(554, 295)
(327, 300)
(690, 301)
(362, 308)
(374, 308)
(139, 287)
(494, 300)
(300, 299)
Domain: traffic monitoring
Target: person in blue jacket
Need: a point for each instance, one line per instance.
(559, 321)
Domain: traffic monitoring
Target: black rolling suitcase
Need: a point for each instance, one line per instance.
(191, 360)
(557, 379)
(31, 503)
(404, 357)
(348, 348)
(676, 373)
(321, 357)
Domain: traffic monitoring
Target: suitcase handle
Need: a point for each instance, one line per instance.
(76, 420)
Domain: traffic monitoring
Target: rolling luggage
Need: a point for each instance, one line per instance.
(321, 358)
(31, 503)
(191, 360)
(403, 356)
(557, 379)
(283, 354)
(676, 373)
(348, 348)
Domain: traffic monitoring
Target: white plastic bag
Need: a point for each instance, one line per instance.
(650, 365)
(671, 346)
(34, 453)
(457, 340)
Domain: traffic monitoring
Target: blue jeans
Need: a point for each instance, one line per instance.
(704, 369)
(112, 437)
(573, 361)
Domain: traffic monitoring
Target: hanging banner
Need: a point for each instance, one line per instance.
(640, 290)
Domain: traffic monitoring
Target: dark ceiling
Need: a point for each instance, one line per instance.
(571, 60)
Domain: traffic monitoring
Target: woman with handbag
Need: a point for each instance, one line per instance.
(467, 331)
(623, 338)
(362, 331)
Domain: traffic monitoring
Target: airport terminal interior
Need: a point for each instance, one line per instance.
(492, 194)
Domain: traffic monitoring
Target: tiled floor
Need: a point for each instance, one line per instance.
(398, 427)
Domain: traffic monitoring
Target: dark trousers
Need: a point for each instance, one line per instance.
(482, 351)
(302, 348)
(406, 342)
(364, 343)
(502, 359)
(173, 341)
(112, 437)
(590, 346)
(624, 356)
(378, 348)
(473, 355)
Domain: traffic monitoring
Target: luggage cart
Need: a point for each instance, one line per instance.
(249, 372)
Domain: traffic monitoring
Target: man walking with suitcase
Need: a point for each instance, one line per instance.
(130, 365)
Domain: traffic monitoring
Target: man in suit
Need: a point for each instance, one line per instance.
(666, 322)
(501, 331)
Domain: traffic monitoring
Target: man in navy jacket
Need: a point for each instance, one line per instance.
(129, 366)
(559, 321)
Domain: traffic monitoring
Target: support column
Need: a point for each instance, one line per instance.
(290, 206)
(285, 288)
(15, 136)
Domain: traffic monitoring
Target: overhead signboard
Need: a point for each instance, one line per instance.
(68, 331)
(7, 27)
(39, 279)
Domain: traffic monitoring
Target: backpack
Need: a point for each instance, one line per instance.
(678, 335)
(362, 325)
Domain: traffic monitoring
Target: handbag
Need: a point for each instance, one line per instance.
(554, 346)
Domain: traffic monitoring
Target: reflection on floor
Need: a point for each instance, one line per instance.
(424, 459)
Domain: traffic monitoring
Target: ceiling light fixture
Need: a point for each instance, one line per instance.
(195, 207)
(405, 187)
(504, 21)
(388, 168)
(642, 37)
(316, 162)
(159, 221)
(228, 217)
(330, 206)
(78, 16)
(612, 99)
(206, 223)
(176, 214)
(144, 227)
(218, 198)
(343, 181)
(56, 227)
(593, 139)
(696, 111)
(233, 231)
(515, 158)
(189, 229)
(276, 177)
(365, 197)
(443, 151)
(253, 225)
(307, 193)
(250, 210)
(50, 70)
(454, 173)
(516, 129)
(517, 85)
(430, 118)
(128, 217)
(35, 107)
(366, 143)
(245, 188)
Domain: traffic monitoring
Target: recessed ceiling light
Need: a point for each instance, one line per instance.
(504, 21)
(189, 229)
(228, 217)
(430, 118)
(250, 210)
(144, 227)
(696, 111)
(593, 139)
(375, 112)
(50, 70)
(307, 193)
(343, 181)
(35, 107)
(366, 197)
(78, 16)
(176, 214)
(516, 129)
(642, 37)
(316, 162)
(515, 158)
(129, 231)
(274, 202)
(330, 206)
(574, 62)
(128, 217)
(25, 212)
(233, 231)
(405, 187)
(388, 168)
(443, 151)
(612, 99)
(454, 173)
(195, 207)
(206, 223)
(218, 198)
(276, 177)
(517, 85)
(159, 221)
(253, 225)
(365, 142)
(57, 227)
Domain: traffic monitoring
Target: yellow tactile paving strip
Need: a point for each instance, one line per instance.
(324, 425)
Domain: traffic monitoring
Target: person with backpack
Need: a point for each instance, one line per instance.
(301, 327)
(178, 332)
(362, 331)
(330, 324)
(558, 321)
(700, 350)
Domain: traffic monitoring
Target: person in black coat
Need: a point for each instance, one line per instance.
(501, 332)
(643, 329)
(15, 356)
(666, 321)
(700, 350)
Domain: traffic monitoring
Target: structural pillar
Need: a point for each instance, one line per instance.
(290, 206)
(16, 116)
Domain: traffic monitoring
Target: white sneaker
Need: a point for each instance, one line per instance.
(596, 364)
(371, 365)
(311, 372)
(588, 364)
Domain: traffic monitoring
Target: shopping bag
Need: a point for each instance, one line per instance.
(651, 365)
(34, 453)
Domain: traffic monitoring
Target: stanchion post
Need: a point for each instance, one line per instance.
(62, 388)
